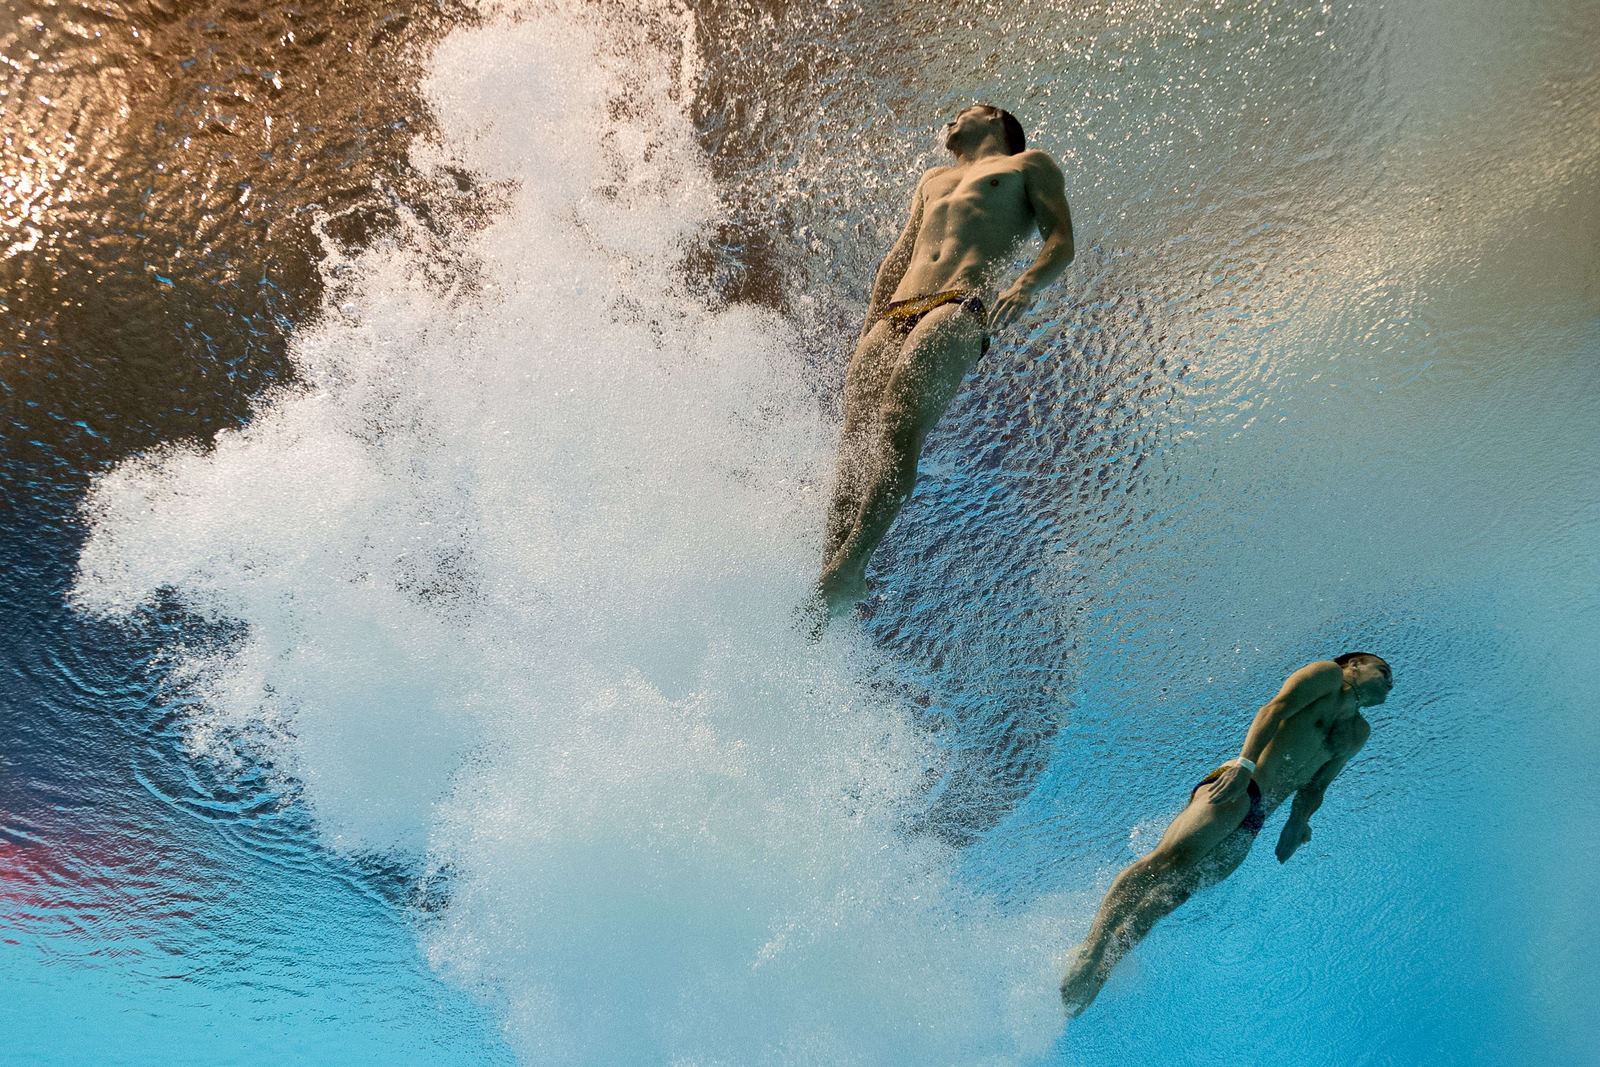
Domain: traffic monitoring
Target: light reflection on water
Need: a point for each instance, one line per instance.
(154, 911)
(1331, 341)
(158, 168)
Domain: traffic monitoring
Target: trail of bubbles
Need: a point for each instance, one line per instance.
(517, 570)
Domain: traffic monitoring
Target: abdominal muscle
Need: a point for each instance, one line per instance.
(927, 278)
(963, 239)
(1293, 758)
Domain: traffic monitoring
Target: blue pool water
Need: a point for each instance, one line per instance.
(156, 913)
(448, 707)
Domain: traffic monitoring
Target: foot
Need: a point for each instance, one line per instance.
(840, 589)
(1082, 982)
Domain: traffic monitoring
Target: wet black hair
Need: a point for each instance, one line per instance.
(1383, 664)
(1016, 140)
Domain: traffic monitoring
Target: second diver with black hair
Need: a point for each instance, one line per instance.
(1297, 744)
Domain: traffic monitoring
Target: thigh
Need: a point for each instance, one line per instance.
(868, 373)
(934, 359)
(1224, 857)
(1202, 826)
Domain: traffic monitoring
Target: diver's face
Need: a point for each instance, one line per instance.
(970, 124)
(1371, 682)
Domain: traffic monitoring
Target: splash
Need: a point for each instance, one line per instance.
(515, 564)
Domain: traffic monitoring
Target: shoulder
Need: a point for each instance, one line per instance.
(1319, 674)
(922, 183)
(1310, 683)
(1034, 161)
(1046, 185)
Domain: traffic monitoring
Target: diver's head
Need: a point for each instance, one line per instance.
(1368, 677)
(982, 126)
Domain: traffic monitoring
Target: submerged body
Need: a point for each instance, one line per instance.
(1297, 744)
(928, 322)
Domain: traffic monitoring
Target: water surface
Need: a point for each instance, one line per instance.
(450, 700)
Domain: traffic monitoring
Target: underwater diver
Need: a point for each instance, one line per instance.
(1299, 742)
(927, 324)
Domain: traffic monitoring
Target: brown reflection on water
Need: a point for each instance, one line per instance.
(161, 164)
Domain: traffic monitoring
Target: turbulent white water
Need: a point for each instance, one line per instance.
(517, 560)
(517, 568)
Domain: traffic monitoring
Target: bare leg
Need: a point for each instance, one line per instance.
(933, 360)
(1202, 846)
(1164, 896)
(864, 384)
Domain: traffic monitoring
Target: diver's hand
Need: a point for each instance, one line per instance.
(1296, 832)
(1230, 785)
(1011, 305)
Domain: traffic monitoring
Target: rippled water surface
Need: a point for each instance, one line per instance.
(415, 418)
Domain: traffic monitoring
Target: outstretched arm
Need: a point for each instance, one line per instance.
(1047, 195)
(1297, 830)
(1306, 685)
(894, 265)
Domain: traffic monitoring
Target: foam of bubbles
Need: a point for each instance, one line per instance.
(516, 565)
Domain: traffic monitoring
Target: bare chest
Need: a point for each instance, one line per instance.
(1305, 743)
(992, 197)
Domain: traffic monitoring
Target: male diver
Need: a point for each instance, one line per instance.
(1299, 742)
(927, 323)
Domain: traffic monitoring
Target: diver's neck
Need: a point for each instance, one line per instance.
(985, 149)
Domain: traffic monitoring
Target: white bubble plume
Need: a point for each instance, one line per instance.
(516, 571)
